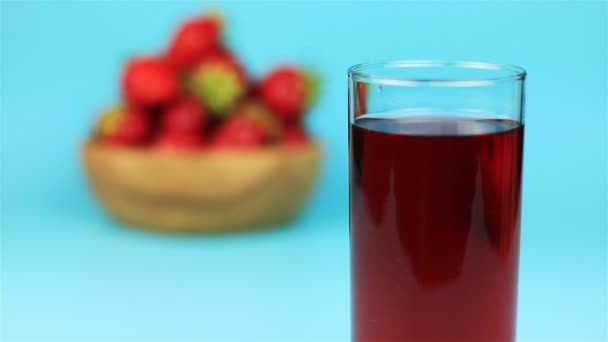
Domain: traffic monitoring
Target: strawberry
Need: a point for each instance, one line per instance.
(218, 81)
(256, 110)
(149, 81)
(288, 91)
(184, 116)
(179, 141)
(238, 132)
(293, 134)
(221, 52)
(193, 40)
(123, 126)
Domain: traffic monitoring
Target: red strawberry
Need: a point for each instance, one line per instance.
(124, 126)
(288, 91)
(193, 40)
(221, 52)
(293, 134)
(149, 81)
(179, 141)
(256, 110)
(239, 131)
(218, 81)
(184, 116)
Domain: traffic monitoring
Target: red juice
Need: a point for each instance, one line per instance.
(435, 206)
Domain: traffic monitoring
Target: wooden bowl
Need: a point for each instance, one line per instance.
(206, 191)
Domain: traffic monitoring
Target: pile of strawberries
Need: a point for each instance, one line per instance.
(197, 94)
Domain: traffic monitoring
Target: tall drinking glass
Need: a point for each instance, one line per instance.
(435, 183)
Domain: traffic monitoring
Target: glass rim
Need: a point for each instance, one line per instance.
(357, 72)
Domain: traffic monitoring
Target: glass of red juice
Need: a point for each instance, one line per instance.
(435, 153)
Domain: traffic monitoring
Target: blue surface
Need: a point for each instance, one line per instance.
(69, 273)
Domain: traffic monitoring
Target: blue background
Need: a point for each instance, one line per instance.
(69, 273)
